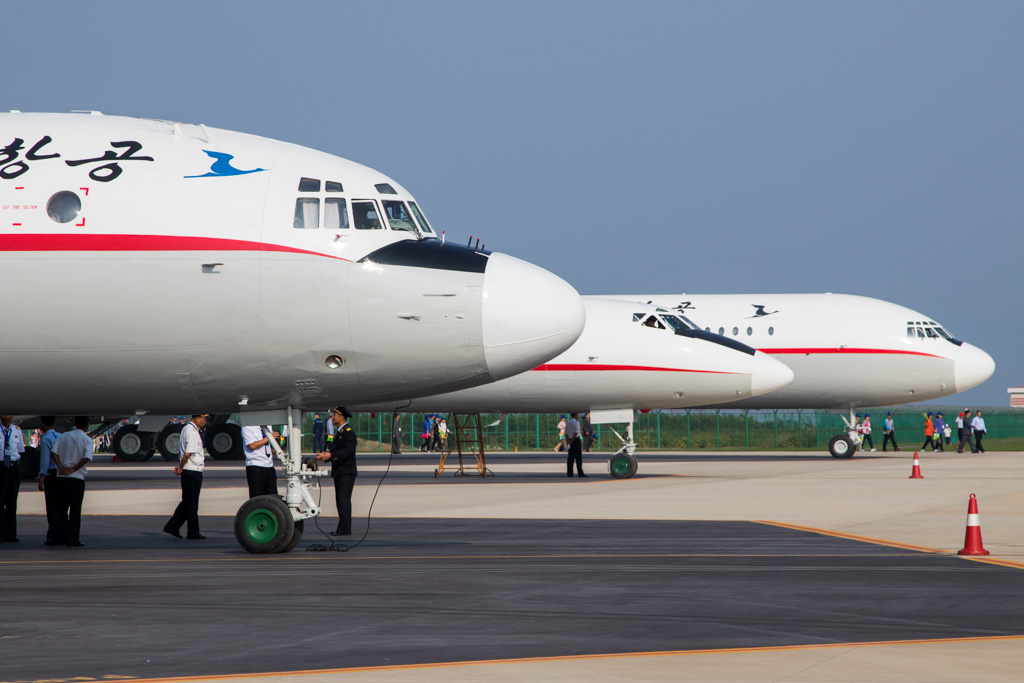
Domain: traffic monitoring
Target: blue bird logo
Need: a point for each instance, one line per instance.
(222, 167)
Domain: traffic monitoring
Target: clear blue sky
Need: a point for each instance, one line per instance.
(870, 148)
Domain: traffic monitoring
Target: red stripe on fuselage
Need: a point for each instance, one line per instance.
(849, 350)
(572, 367)
(79, 242)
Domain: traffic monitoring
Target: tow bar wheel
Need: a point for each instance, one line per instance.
(264, 524)
(622, 466)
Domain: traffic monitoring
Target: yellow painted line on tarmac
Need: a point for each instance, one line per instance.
(575, 658)
(854, 537)
(992, 560)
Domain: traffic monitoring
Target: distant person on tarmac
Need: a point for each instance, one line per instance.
(588, 432)
(48, 474)
(12, 446)
(560, 446)
(73, 453)
(190, 469)
(940, 429)
(963, 423)
(889, 431)
(978, 426)
(396, 435)
(929, 432)
(318, 433)
(575, 443)
(866, 431)
(260, 472)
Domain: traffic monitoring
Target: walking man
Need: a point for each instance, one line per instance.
(396, 435)
(889, 433)
(978, 426)
(10, 478)
(588, 432)
(318, 433)
(575, 446)
(260, 472)
(929, 432)
(940, 428)
(48, 475)
(71, 454)
(190, 468)
(342, 456)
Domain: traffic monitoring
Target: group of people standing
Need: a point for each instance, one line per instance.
(970, 431)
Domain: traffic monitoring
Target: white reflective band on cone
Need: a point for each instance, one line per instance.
(973, 520)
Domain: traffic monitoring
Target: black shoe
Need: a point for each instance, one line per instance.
(195, 537)
(49, 543)
(341, 533)
(12, 539)
(581, 475)
(172, 532)
(76, 545)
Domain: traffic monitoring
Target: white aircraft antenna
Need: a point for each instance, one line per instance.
(206, 134)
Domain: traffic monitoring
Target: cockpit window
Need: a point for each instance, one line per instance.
(398, 215)
(335, 214)
(309, 185)
(420, 218)
(332, 186)
(652, 321)
(307, 213)
(384, 188)
(929, 329)
(674, 323)
(364, 216)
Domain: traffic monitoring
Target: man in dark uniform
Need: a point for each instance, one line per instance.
(342, 456)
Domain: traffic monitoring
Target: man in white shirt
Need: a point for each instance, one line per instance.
(259, 462)
(71, 455)
(190, 468)
(978, 425)
(12, 445)
(575, 449)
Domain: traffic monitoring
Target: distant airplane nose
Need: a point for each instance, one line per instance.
(529, 316)
(768, 374)
(971, 367)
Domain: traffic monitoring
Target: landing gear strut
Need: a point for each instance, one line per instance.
(272, 524)
(844, 445)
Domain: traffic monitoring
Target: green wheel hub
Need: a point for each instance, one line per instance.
(261, 526)
(620, 466)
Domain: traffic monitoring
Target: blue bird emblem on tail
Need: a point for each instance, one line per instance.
(222, 166)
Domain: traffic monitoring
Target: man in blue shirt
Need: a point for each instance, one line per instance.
(318, 433)
(48, 473)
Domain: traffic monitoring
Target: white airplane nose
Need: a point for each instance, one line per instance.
(768, 374)
(971, 367)
(529, 316)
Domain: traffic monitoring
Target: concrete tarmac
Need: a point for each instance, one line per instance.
(705, 567)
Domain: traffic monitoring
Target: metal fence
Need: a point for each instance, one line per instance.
(687, 429)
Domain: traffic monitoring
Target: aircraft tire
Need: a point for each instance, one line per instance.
(622, 466)
(168, 441)
(224, 441)
(264, 525)
(841, 446)
(131, 445)
(296, 536)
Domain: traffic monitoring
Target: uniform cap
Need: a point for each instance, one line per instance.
(345, 412)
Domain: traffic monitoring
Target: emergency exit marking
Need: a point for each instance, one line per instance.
(82, 224)
(85, 190)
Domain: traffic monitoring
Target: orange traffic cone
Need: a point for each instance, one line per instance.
(972, 541)
(916, 474)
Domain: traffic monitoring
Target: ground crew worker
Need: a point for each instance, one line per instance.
(575, 443)
(260, 472)
(318, 433)
(72, 453)
(190, 468)
(48, 474)
(396, 435)
(342, 456)
(10, 478)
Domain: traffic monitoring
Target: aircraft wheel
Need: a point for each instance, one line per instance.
(224, 442)
(131, 445)
(622, 466)
(841, 446)
(264, 524)
(296, 536)
(168, 442)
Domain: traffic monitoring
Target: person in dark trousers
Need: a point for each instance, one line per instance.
(940, 427)
(48, 474)
(588, 432)
(929, 432)
(190, 468)
(318, 433)
(575, 446)
(978, 427)
(342, 457)
(435, 434)
(963, 424)
(426, 433)
(396, 435)
(72, 453)
(260, 473)
(12, 446)
(889, 432)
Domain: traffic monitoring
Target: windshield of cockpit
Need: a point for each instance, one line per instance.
(929, 329)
